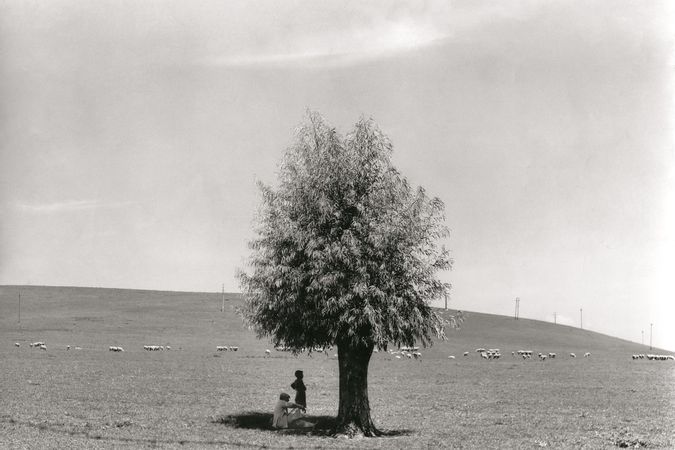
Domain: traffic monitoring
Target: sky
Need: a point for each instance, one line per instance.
(132, 135)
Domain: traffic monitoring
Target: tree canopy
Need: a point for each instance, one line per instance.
(345, 250)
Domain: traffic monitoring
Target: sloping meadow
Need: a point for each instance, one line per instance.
(196, 396)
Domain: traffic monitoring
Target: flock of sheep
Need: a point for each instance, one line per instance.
(495, 353)
(42, 346)
(155, 348)
(655, 357)
(402, 352)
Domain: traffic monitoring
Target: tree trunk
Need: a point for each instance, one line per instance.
(354, 410)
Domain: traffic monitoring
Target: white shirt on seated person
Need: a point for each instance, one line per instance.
(282, 418)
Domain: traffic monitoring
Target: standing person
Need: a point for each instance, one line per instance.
(299, 388)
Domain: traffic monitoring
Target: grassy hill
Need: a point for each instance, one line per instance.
(198, 397)
(66, 315)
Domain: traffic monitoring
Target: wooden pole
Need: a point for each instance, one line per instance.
(651, 325)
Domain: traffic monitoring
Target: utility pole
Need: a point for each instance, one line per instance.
(651, 325)
(581, 318)
(222, 307)
(517, 308)
(555, 319)
(446, 301)
(19, 307)
(643, 337)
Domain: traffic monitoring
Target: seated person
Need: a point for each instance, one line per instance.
(285, 419)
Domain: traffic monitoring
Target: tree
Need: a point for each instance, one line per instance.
(345, 255)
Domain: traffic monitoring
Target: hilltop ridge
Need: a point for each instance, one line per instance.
(193, 317)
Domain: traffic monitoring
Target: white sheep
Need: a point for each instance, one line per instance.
(16, 344)
(451, 357)
(573, 355)
(587, 354)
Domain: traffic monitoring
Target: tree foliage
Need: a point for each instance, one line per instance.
(346, 250)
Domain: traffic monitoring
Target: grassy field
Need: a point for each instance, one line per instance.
(195, 397)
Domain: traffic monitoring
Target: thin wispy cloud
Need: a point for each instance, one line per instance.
(338, 48)
(339, 36)
(68, 206)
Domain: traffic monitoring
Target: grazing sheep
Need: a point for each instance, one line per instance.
(115, 349)
(494, 353)
(587, 354)
(573, 355)
(267, 352)
(221, 348)
(67, 347)
(466, 353)
(451, 357)
(16, 344)
(43, 347)
(551, 355)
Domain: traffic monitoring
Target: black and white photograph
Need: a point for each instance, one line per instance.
(337, 224)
